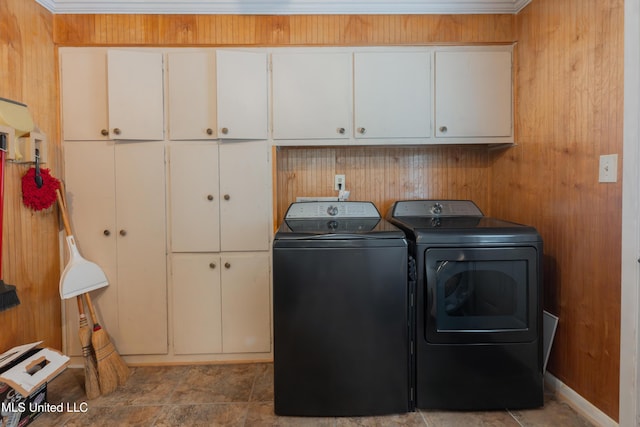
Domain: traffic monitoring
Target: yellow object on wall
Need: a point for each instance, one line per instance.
(16, 115)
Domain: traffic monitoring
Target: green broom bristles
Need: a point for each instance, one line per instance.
(8, 296)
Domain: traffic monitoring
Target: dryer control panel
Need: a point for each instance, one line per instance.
(435, 208)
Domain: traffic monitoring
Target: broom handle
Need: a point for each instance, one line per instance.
(92, 312)
(63, 211)
(80, 305)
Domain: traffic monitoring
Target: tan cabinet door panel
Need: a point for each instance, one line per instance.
(83, 90)
(90, 196)
(197, 317)
(136, 99)
(141, 235)
(312, 95)
(245, 196)
(392, 95)
(246, 310)
(473, 93)
(192, 95)
(195, 202)
(242, 88)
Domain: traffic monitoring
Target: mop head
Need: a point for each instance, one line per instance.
(8, 296)
(39, 198)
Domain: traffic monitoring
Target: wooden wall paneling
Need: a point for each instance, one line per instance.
(383, 174)
(294, 30)
(30, 252)
(569, 112)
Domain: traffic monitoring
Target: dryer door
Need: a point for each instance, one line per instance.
(482, 295)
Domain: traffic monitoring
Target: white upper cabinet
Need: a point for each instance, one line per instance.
(312, 95)
(473, 93)
(111, 94)
(392, 96)
(136, 100)
(242, 94)
(192, 95)
(83, 89)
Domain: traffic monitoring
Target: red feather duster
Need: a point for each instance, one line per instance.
(39, 198)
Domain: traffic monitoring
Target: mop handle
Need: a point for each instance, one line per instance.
(63, 211)
(3, 149)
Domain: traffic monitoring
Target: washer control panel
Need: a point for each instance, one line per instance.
(333, 209)
(435, 208)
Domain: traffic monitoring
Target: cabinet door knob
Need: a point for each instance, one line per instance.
(106, 233)
(209, 197)
(225, 130)
(362, 131)
(443, 129)
(341, 131)
(123, 232)
(104, 132)
(116, 131)
(227, 197)
(227, 265)
(212, 265)
(209, 131)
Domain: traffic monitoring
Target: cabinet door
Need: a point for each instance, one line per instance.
(392, 98)
(83, 92)
(192, 94)
(90, 196)
(311, 95)
(242, 94)
(141, 236)
(245, 190)
(136, 101)
(473, 93)
(246, 306)
(197, 317)
(195, 205)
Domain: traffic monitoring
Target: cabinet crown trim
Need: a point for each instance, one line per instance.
(285, 7)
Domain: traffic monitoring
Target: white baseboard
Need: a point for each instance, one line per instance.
(577, 402)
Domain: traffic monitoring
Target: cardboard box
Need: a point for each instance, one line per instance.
(24, 373)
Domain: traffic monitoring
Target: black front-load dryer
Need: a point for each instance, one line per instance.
(478, 311)
(340, 306)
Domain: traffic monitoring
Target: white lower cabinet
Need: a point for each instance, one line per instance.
(116, 200)
(246, 306)
(220, 216)
(197, 303)
(221, 303)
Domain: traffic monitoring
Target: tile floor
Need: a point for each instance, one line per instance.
(242, 395)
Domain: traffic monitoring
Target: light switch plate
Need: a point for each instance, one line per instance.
(608, 168)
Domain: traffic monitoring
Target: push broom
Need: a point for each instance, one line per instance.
(79, 277)
(112, 370)
(91, 384)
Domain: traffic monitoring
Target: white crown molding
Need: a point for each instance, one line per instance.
(284, 7)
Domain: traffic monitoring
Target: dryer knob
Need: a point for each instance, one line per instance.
(436, 209)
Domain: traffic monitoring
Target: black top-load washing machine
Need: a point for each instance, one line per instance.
(478, 311)
(340, 304)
